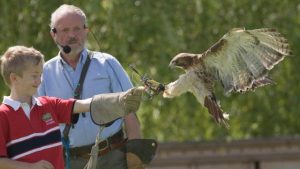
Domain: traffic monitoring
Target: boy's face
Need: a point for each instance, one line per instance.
(28, 83)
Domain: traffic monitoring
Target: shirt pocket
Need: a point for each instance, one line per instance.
(99, 76)
(97, 83)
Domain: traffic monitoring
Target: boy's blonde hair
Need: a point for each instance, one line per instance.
(16, 59)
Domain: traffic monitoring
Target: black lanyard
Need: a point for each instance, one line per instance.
(77, 93)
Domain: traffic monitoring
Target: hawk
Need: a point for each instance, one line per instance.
(240, 61)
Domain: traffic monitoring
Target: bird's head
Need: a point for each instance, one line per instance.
(183, 60)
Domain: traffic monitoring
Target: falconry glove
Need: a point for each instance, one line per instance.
(108, 107)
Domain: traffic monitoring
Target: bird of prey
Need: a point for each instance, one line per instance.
(240, 61)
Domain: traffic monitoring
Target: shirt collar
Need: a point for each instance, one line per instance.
(16, 104)
(83, 56)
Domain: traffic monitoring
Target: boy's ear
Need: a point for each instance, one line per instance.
(13, 77)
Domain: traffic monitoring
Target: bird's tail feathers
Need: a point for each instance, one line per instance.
(216, 112)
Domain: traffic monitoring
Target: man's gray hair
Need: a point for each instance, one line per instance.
(65, 8)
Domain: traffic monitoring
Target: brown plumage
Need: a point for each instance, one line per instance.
(240, 61)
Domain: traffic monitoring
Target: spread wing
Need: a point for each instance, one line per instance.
(241, 58)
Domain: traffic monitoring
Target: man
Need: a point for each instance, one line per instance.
(104, 75)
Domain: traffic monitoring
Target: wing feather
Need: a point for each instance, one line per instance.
(272, 39)
(242, 57)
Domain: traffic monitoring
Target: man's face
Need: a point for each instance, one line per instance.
(30, 80)
(70, 30)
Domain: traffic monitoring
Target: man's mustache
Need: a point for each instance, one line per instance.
(72, 40)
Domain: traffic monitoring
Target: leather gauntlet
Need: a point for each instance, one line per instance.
(108, 107)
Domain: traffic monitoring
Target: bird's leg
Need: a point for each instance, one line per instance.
(215, 110)
(152, 87)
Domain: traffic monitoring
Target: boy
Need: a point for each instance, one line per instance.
(29, 131)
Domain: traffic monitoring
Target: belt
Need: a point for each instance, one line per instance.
(106, 146)
(115, 141)
(82, 152)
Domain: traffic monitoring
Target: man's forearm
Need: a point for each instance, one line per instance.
(132, 126)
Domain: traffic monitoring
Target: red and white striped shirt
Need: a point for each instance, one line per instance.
(35, 138)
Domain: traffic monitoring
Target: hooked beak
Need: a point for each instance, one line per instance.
(172, 65)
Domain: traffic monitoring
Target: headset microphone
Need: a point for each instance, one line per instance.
(66, 49)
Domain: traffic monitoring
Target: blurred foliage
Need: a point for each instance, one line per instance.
(149, 33)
